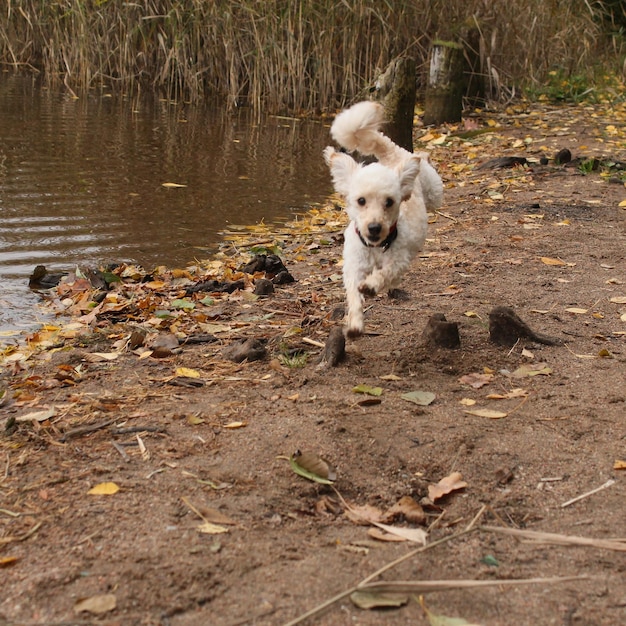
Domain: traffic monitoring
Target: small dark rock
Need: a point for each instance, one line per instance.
(502, 162)
(506, 328)
(271, 264)
(251, 349)
(137, 338)
(440, 332)
(42, 279)
(283, 278)
(97, 279)
(562, 156)
(335, 349)
(263, 287)
(211, 286)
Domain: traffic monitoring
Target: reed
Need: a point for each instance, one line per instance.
(294, 56)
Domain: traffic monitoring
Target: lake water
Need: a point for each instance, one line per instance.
(81, 181)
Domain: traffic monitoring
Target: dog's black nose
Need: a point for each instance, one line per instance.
(374, 229)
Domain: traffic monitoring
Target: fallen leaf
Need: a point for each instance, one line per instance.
(549, 261)
(6, 561)
(619, 465)
(172, 185)
(514, 393)
(375, 600)
(367, 389)
(235, 425)
(363, 515)
(442, 620)
(422, 398)
(618, 300)
(534, 369)
(467, 402)
(104, 489)
(494, 415)
(577, 311)
(377, 533)
(406, 507)
(208, 528)
(186, 372)
(96, 604)
(99, 357)
(390, 377)
(37, 416)
(450, 483)
(416, 535)
(313, 467)
(476, 380)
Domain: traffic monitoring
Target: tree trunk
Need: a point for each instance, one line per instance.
(395, 90)
(446, 83)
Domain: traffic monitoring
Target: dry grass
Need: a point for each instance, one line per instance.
(278, 55)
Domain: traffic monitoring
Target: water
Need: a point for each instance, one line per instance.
(81, 182)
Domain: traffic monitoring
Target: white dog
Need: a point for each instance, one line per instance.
(386, 202)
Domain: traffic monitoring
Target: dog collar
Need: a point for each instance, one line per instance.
(391, 237)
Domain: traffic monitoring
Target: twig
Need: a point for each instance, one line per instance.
(6, 469)
(554, 538)
(84, 430)
(137, 429)
(425, 586)
(121, 451)
(23, 537)
(606, 485)
(312, 342)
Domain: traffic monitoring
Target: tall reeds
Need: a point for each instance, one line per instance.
(290, 55)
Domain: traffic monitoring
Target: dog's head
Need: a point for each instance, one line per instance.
(373, 192)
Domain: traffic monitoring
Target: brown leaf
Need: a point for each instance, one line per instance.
(446, 485)
(407, 508)
(381, 535)
(364, 515)
(476, 380)
(96, 604)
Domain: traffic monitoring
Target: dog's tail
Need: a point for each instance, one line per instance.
(358, 128)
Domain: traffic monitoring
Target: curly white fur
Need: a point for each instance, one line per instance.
(384, 200)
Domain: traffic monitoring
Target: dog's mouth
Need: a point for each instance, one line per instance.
(376, 240)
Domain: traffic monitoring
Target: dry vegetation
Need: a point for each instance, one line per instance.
(310, 55)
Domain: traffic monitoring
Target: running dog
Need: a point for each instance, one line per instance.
(386, 201)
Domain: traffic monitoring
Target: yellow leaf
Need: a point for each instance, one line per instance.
(211, 529)
(172, 185)
(548, 261)
(622, 204)
(104, 489)
(577, 311)
(618, 300)
(467, 402)
(619, 465)
(187, 372)
(234, 425)
(5, 561)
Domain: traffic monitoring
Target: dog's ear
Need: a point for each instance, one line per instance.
(342, 168)
(408, 173)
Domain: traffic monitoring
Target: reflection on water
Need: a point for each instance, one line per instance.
(81, 181)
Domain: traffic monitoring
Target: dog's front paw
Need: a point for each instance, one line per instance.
(354, 325)
(367, 290)
(354, 333)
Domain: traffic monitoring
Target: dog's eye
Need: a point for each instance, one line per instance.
(388, 203)
(361, 201)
